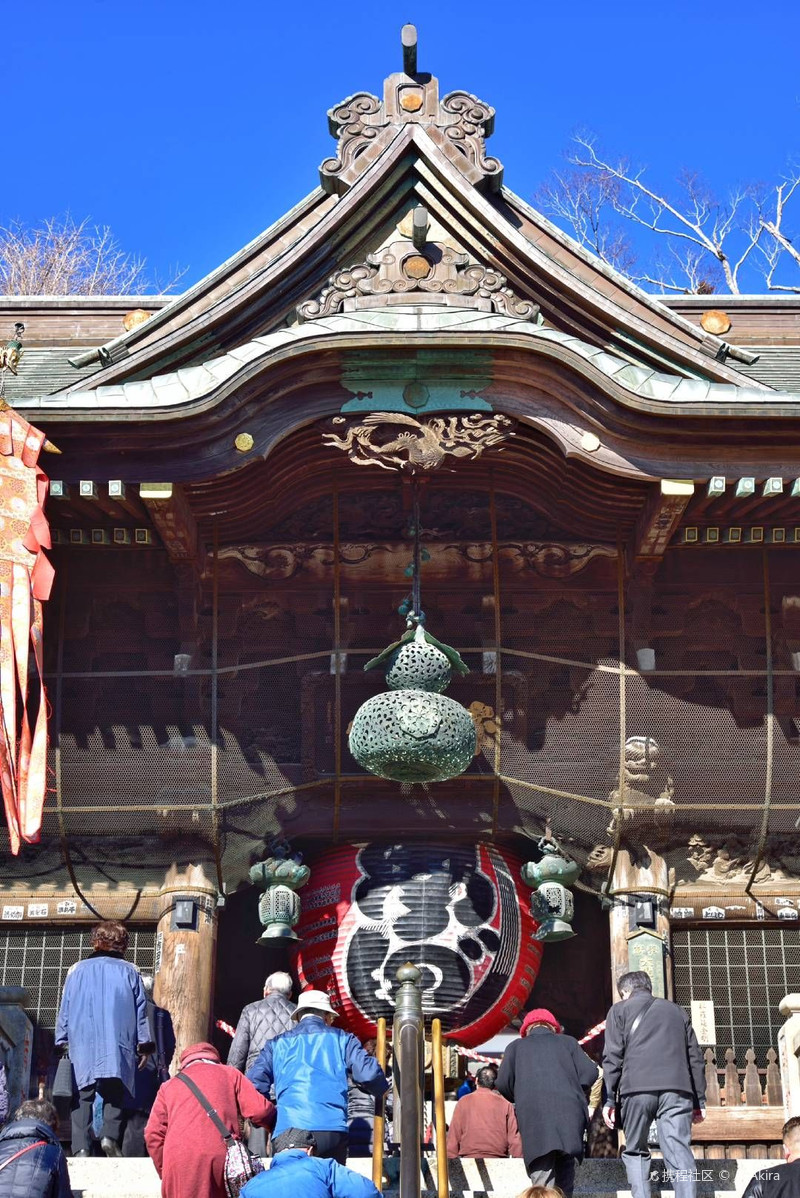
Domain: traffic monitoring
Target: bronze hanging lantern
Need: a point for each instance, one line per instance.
(279, 906)
(413, 732)
(552, 903)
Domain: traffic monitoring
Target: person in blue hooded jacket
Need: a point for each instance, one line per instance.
(32, 1163)
(309, 1067)
(297, 1170)
(103, 1018)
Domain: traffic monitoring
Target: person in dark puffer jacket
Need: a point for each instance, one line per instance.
(259, 1023)
(262, 1021)
(32, 1161)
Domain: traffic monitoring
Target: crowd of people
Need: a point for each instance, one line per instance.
(304, 1090)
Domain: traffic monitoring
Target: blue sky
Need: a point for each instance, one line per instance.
(190, 127)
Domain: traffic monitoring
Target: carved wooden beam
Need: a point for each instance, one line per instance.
(174, 520)
(659, 519)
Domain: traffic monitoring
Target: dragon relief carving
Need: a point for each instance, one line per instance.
(400, 273)
(395, 441)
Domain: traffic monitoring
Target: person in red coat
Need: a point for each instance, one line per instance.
(187, 1150)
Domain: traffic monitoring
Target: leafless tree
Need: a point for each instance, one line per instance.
(705, 242)
(775, 244)
(64, 257)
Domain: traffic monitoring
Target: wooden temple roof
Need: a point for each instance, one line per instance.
(410, 149)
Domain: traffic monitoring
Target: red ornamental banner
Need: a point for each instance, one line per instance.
(459, 912)
(26, 577)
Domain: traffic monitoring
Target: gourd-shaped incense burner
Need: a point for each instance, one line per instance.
(413, 732)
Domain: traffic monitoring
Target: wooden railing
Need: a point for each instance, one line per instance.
(743, 1086)
(744, 1108)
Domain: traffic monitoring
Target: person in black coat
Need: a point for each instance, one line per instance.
(153, 1073)
(653, 1069)
(547, 1076)
(32, 1161)
(780, 1180)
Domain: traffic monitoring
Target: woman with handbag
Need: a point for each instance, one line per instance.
(193, 1131)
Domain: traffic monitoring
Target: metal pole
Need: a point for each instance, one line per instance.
(380, 1107)
(409, 1063)
(442, 1180)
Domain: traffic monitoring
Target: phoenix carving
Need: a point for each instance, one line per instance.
(395, 441)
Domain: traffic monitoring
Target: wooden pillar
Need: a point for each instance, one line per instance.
(647, 877)
(789, 1054)
(185, 953)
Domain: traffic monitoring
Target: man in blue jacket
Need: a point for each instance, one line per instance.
(309, 1066)
(297, 1170)
(103, 1016)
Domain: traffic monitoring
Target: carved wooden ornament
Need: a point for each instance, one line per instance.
(395, 441)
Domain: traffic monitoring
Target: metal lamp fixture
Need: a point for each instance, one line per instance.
(279, 906)
(413, 732)
(551, 902)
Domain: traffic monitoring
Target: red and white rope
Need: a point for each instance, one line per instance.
(593, 1031)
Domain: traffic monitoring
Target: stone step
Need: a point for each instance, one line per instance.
(97, 1177)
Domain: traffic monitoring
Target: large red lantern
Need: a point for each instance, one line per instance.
(460, 912)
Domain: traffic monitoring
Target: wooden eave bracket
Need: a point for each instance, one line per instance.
(175, 523)
(660, 518)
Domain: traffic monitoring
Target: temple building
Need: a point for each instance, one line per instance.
(414, 394)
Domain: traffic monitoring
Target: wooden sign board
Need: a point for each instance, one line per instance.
(703, 1022)
(646, 952)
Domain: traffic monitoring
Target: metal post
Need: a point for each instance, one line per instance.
(408, 1039)
(442, 1180)
(408, 40)
(380, 1108)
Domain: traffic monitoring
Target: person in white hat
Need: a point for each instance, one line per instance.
(309, 1067)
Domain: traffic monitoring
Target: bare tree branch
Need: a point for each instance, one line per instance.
(62, 257)
(720, 239)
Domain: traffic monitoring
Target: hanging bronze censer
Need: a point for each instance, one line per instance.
(413, 732)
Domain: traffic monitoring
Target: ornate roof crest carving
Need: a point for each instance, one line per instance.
(433, 274)
(364, 125)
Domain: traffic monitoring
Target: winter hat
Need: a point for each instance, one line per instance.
(313, 1000)
(202, 1051)
(293, 1137)
(540, 1015)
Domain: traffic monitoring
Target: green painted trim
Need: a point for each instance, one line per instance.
(427, 380)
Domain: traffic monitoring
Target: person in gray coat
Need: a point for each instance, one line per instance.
(262, 1021)
(653, 1069)
(259, 1022)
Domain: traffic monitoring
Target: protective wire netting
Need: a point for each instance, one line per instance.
(38, 959)
(745, 973)
(244, 737)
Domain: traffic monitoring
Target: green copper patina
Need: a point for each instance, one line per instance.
(412, 732)
(423, 380)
